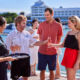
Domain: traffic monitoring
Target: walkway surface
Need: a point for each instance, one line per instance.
(38, 77)
(47, 78)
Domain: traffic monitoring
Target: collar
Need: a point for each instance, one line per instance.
(18, 31)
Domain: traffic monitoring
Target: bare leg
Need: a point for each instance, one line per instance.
(35, 69)
(57, 75)
(71, 72)
(42, 75)
(32, 70)
(52, 75)
(25, 78)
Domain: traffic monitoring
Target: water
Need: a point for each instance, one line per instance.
(61, 56)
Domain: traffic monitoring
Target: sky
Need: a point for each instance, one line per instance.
(25, 5)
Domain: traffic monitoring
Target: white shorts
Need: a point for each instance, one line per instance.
(34, 55)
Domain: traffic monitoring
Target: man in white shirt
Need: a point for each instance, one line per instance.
(18, 41)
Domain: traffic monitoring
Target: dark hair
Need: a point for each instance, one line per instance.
(49, 9)
(58, 20)
(2, 21)
(34, 21)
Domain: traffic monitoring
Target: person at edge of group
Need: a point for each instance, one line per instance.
(47, 56)
(34, 49)
(71, 59)
(57, 75)
(18, 42)
(3, 63)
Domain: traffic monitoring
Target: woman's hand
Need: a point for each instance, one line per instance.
(7, 59)
(10, 59)
(76, 66)
(50, 45)
(53, 45)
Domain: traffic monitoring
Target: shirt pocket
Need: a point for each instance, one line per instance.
(26, 41)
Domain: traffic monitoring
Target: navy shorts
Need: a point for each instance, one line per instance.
(44, 60)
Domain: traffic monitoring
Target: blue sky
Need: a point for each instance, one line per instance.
(24, 5)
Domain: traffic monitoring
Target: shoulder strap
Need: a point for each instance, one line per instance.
(76, 34)
(1, 39)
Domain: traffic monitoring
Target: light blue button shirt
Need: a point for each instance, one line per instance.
(23, 39)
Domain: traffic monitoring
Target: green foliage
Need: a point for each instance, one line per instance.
(9, 16)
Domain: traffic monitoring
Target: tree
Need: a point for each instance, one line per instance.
(9, 16)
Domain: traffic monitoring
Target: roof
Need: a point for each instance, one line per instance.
(39, 4)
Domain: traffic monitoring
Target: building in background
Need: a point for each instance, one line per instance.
(64, 13)
(37, 12)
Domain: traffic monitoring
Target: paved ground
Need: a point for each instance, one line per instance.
(38, 77)
(63, 77)
(47, 78)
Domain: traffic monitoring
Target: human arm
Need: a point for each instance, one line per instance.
(34, 42)
(58, 45)
(9, 42)
(39, 43)
(36, 37)
(76, 66)
(39, 34)
(7, 59)
(59, 34)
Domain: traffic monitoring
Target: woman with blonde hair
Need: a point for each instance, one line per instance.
(71, 59)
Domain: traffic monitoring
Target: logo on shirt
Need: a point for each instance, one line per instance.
(27, 36)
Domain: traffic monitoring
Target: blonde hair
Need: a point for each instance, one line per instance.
(76, 19)
(19, 19)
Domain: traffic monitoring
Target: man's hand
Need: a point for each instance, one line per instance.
(31, 46)
(36, 37)
(50, 44)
